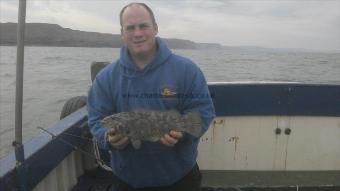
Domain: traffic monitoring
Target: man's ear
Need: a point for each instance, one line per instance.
(156, 28)
(121, 34)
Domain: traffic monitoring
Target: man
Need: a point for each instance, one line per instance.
(147, 67)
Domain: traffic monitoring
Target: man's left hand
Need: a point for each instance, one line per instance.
(170, 139)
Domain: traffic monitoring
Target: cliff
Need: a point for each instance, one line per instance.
(44, 34)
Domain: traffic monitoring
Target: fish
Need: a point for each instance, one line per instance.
(150, 125)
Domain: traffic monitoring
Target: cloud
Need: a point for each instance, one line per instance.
(282, 24)
(8, 11)
(70, 14)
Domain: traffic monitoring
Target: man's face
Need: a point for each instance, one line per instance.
(138, 31)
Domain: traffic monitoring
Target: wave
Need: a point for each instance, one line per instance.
(8, 75)
(6, 131)
(4, 63)
(323, 62)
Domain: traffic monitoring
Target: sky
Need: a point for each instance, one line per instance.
(298, 24)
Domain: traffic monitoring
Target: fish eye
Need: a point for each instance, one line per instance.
(118, 126)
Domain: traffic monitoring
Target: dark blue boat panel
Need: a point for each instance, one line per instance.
(276, 99)
(44, 153)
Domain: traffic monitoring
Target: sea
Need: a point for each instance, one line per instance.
(52, 75)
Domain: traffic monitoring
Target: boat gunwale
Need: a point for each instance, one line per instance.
(44, 152)
(275, 98)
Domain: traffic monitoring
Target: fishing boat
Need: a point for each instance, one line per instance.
(266, 136)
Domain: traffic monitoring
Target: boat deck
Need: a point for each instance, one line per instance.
(101, 180)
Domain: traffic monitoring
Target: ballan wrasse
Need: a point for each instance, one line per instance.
(147, 125)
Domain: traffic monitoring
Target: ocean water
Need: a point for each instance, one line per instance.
(55, 74)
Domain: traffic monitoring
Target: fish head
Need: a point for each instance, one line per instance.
(122, 126)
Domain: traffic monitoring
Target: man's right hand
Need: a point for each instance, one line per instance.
(117, 141)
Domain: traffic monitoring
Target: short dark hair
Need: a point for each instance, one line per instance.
(141, 4)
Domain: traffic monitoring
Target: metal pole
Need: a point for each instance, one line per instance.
(19, 72)
(21, 174)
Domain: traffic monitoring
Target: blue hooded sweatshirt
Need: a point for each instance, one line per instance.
(168, 82)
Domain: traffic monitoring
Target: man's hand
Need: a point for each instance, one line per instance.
(170, 139)
(117, 141)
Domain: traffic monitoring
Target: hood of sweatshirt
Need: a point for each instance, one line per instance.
(130, 70)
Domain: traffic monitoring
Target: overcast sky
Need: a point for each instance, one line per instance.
(304, 24)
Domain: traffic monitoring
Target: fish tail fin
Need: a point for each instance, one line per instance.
(193, 124)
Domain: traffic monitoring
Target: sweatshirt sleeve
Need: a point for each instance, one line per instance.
(197, 97)
(99, 105)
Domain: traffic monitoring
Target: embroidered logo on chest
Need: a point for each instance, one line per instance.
(168, 91)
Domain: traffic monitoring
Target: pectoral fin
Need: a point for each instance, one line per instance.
(136, 143)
